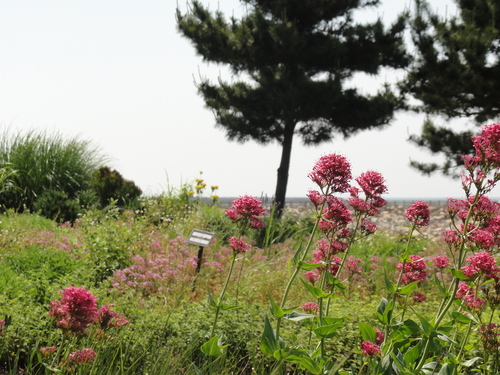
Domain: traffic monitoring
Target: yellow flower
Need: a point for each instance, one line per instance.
(198, 187)
(190, 192)
(199, 180)
(214, 197)
(214, 187)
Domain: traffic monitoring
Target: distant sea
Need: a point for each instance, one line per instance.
(397, 201)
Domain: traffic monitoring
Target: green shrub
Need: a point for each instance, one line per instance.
(56, 205)
(110, 185)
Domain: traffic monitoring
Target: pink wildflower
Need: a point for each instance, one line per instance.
(82, 357)
(418, 214)
(367, 227)
(333, 172)
(463, 290)
(480, 263)
(238, 246)
(414, 270)
(108, 318)
(369, 348)
(312, 276)
(380, 336)
(441, 261)
(418, 297)
(488, 334)
(372, 183)
(76, 309)
(316, 197)
(473, 302)
(310, 307)
(487, 145)
(245, 208)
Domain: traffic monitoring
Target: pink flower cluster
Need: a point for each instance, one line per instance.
(482, 263)
(414, 270)
(489, 336)
(418, 214)
(82, 357)
(466, 294)
(78, 308)
(368, 348)
(332, 173)
(162, 268)
(310, 307)
(239, 246)
(107, 318)
(245, 211)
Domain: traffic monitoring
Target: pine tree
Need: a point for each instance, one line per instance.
(290, 61)
(455, 74)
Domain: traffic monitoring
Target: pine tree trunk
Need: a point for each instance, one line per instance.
(282, 182)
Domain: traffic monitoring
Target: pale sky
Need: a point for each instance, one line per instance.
(117, 72)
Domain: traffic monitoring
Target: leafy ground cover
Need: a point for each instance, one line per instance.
(118, 292)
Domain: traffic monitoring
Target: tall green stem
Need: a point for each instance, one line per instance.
(223, 292)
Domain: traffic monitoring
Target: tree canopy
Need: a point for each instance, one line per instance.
(455, 74)
(291, 63)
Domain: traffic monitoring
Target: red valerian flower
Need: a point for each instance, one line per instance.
(82, 357)
(418, 214)
(332, 172)
(441, 261)
(372, 183)
(76, 309)
(238, 246)
(380, 336)
(369, 348)
(108, 318)
(310, 307)
(245, 207)
(413, 270)
(487, 145)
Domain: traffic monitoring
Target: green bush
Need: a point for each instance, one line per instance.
(110, 185)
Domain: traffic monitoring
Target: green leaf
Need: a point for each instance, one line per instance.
(443, 337)
(308, 266)
(368, 333)
(411, 356)
(296, 316)
(211, 301)
(329, 320)
(389, 284)
(470, 362)
(314, 291)
(458, 274)
(306, 362)
(275, 309)
(408, 289)
(230, 307)
(426, 325)
(328, 331)
(268, 344)
(213, 347)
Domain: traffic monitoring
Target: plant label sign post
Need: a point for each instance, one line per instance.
(202, 239)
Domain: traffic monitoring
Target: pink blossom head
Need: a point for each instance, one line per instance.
(312, 276)
(310, 307)
(380, 336)
(369, 348)
(441, 261)
(316, 197)
(372, 183)
(245, 207)
(332, 172)
(108, 318)
(418, 214)
(418, 297)
(238, 246)
(76, 309)
(367, 227)
(487, 145)
(82, 357)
